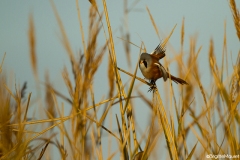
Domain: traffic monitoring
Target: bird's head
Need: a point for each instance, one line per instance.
(145, 59)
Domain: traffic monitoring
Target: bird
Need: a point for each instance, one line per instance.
(152, 69)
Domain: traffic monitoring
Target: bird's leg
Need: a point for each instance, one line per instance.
(153, 87)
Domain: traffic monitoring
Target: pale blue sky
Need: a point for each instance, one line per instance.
(203, 18)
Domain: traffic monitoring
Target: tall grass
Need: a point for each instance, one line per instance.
(83, 138)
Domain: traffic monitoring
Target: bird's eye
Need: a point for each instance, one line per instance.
(145, 63)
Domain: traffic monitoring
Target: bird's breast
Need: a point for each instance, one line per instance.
(152, 72)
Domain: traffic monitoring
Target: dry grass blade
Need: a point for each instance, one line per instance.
(166, 39)
(112, 155)
(10, 92)
(208, 115)
(202, 141)
(163, 121)
(130, 88)
(110, 77)
(236, 16)
(43, 151)
(129, 108)
(112, 50)
(146, 152)
(140, 79)
(130, 118)
(103, 127)
(66, 117)
(192, 64)
(235, 88)
(81, 27)
(146, 100)
(153, 22)
(191, 153)
(224, 53)
(202, 91)
(2, 62)
(7, 135)
(67, 81)
(49, 99)
(125, 151)
(105, 112)
(25, 114)
(182, 32)
(64, 35)
(129, 42)
(112, 53)
(93, 2)
(32, 45)
(218, 82)
(60, 94)
(119, 101)
(127, 49)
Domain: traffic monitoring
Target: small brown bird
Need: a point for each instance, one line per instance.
(152, 69)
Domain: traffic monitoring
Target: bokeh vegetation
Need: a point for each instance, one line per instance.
(215, 126)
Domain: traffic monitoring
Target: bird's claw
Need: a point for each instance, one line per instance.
(153, 87)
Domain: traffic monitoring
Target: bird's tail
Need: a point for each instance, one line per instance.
(178, 80)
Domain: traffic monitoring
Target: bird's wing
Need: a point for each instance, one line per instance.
(162, 70)
(159, 52)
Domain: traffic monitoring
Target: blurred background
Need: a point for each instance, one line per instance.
(204, 20)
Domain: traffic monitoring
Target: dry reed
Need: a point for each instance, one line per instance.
(214, 125)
